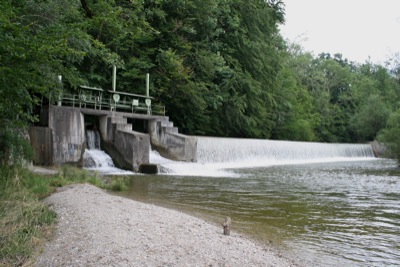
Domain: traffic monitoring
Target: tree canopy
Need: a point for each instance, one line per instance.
(220, 67)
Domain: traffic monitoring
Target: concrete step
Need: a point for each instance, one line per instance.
(171, 129)
(167, 124)
(120, 120)
(124, 126)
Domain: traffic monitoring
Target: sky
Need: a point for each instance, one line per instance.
(360, 30)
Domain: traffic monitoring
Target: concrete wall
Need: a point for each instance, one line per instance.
(380, 149)
(170, 144)
(41, 141)
(134, 146)
(68, 135)
(63, 141)
(127, 148)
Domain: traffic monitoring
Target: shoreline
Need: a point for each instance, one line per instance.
(95, 228)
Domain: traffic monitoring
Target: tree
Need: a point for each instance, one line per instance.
(391, 134)
(39, 40)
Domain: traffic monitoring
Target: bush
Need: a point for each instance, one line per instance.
(120, 183)
(15, 148)
(391, 135)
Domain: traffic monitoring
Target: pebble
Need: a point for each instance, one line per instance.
(98, 229)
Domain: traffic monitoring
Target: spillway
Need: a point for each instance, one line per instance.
(216, 156)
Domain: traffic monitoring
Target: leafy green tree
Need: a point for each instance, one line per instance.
(39, 40)
(391, 134)
(369, 118)
(293, 115)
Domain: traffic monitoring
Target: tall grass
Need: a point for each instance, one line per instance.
(26, 223)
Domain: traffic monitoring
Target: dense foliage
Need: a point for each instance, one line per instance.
(220, 67)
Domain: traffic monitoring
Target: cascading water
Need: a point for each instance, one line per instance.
(217, 155)
(97, 159)
(92, 139)
(231, 150)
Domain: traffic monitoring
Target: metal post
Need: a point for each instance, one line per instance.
(147, 85)
(114, 79)
(59, 102)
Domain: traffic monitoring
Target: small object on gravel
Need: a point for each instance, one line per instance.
(227, 226)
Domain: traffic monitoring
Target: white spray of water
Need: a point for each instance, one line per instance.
(98, 160)
(220, 156)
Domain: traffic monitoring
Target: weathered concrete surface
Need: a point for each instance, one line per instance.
(134, 146)
(127, 148)
(170, 144)
(41, 141)
(63, 138)
(380, 149)
(69, 140)
(67, 134)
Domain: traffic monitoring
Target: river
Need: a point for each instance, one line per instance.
(325, 214)
(323, 204)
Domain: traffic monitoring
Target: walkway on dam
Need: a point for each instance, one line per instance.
(100, 112)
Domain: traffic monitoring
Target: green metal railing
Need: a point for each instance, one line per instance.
(97, 98)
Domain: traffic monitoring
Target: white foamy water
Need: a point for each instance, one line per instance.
(218, 156)
(188, 168)
(102, 163)
(98, 160)
(234, 150)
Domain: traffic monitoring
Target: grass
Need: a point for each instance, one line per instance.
(26, 222)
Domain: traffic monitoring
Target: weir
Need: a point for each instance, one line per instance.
(216, 156)
(216, 150)
(63, 137)
(60, 137)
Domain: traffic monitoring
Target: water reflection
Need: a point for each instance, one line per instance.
(344, 213)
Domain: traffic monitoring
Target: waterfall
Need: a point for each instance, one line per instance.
(216, 156)
(218, 150)
(92, 139)
(95, 158)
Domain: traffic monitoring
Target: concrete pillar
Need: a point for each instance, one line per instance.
(68, 135)
(170, 144)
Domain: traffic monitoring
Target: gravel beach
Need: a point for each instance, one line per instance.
(98, 229)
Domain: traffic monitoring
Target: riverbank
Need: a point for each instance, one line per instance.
(98, 229)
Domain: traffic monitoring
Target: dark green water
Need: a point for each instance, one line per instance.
(328, 214)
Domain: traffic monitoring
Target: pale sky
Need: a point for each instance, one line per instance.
(358, 29)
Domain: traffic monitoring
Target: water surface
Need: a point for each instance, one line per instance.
(325, 214)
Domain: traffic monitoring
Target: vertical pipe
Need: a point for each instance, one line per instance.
(114, 78)
(147, 85)
(60, 92)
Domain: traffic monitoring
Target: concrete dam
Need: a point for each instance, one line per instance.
(130, 126)
(126, 136)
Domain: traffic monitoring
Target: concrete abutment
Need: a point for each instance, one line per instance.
(60, 139)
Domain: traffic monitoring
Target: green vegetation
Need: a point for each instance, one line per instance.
(218, 70)
(391, 134)
(26, 222)
(220, 67)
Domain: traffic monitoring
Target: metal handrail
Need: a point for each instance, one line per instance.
(97, 98)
